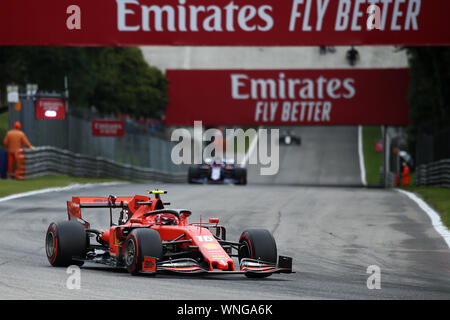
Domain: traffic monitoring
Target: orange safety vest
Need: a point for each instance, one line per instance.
(14, 140)
(405, 176)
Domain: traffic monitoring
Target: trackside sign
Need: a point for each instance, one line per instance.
(50, 108)
(107, 128)
(224, 22)
(288, 97)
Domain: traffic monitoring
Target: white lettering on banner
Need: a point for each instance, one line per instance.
(265, 111)
(236, 84)
(243, 88)
(351, 15)
(294, 111)
(411, 15)
(291, 100)
(122, 12)
(51, 104)
(321, 5)
(108, 128)
(211, 18)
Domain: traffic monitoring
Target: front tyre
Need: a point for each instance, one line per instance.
(139, 244)
(65, 244)
(258, 244)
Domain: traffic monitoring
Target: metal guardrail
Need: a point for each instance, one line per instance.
(434, 174)
(50, 160)
(141, 145)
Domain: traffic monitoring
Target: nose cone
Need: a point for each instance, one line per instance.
(224, 264)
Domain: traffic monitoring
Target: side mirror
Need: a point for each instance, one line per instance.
(185, 213)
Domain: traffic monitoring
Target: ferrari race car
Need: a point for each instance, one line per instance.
(288, 138)
(217, 171)
(150, 238)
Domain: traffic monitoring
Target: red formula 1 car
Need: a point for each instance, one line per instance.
(150, 238)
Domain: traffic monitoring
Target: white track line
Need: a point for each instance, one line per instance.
(361, 157)
(57, 189)
(434, 216)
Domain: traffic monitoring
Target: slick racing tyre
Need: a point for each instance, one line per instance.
(141, 243)
(240, 174)
(66, 244)
(258, 244)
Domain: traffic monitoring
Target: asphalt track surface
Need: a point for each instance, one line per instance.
(327, 156)
(333, 234)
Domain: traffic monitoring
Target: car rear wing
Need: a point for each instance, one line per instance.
(101, 202)
(131, 203)
(74, 207)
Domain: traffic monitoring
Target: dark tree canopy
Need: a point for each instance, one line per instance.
(429, 94)
(113, 79)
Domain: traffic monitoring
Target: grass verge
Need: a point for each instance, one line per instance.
(4, 120)
(373, 160)
(9, 187)
(438, 198)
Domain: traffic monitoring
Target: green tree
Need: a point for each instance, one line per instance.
(126, 83)
(114, 79)
(429, 94)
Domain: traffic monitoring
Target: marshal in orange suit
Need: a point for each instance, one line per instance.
(14, 140)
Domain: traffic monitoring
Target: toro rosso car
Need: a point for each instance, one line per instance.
(150, 238)
(217, 171)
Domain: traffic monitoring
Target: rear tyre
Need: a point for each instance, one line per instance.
(258, 244)
(240, 174)
(139, 244)
(65, 244)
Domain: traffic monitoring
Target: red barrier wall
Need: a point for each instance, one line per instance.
(223, 22)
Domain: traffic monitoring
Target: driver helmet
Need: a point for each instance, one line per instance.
(166, 219)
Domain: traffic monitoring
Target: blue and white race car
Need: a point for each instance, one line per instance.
(217, 171)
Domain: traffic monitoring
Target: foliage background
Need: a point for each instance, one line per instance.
(113, 79)
(429, 93)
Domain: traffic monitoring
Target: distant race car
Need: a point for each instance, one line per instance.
(217, 171)
(150, 238)
(289, 138)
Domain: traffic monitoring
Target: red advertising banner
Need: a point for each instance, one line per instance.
(50, 108)
(108, 128)
(224, 22)
(288, 97)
